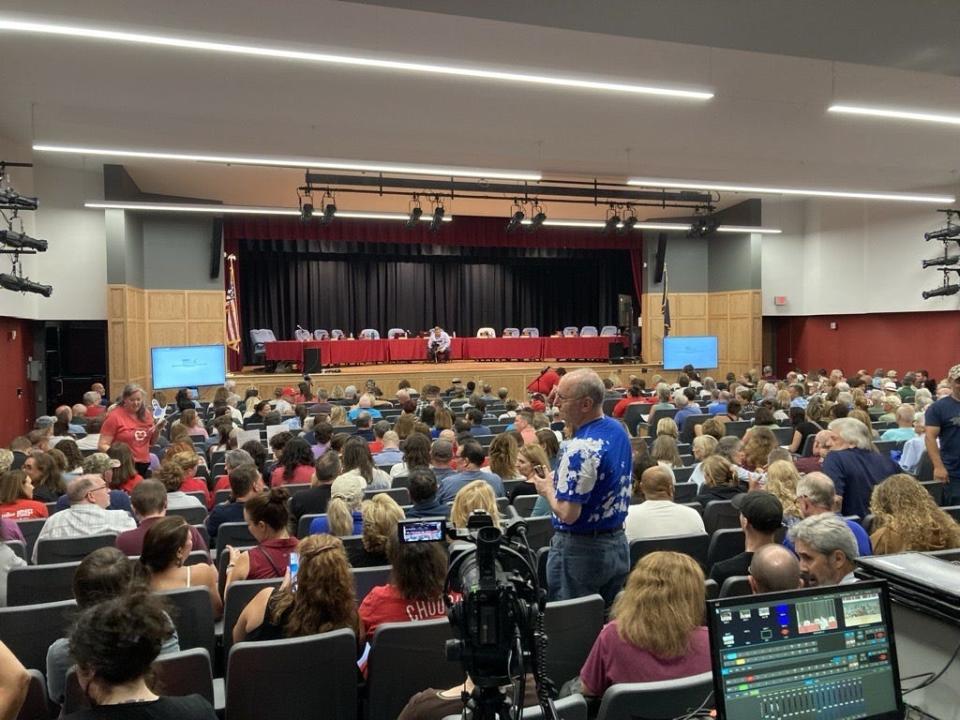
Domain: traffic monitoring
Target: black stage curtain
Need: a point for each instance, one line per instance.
(352, 286)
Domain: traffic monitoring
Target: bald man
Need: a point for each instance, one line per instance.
(658, 515)
(774, 569)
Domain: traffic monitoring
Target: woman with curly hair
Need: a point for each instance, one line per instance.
(295, 466)
(381, 513)
(782, 479)
(906, 518)
(656, 631)
(323, 599)
(503, 457)
(757, 444)
(74, 458)
(415, 591)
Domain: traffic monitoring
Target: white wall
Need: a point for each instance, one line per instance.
(845, 257)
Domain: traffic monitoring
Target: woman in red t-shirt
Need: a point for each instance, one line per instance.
(415, 590)
(130, 423)
(124, 476)
(16, 497)
(295, 466)
(188, 461)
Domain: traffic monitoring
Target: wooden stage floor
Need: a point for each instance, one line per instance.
(515, 376)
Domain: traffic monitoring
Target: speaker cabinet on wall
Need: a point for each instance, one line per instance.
(624, 311)
(311, 360)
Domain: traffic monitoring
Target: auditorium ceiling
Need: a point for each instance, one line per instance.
(774, 67)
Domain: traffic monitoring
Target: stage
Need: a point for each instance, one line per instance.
(515, 376)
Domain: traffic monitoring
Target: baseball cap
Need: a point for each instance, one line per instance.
(954, 373)
(98, 463)
(348, 488)
(761, 509)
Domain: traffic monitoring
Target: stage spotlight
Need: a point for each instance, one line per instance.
(628, 224)
(948, 233)
(415, 214)
(329, 210)
(539, 216)
(945, 260)
(516, 220)
(941, 291)
(11, 199)
(702, 226)
(611, 224)
(437, 220)
(21, 241)
(306, 211)
(18, 284)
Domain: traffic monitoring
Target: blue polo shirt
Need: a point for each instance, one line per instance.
(595, 472)
(854, 473)
(945, 414)
(453, 483)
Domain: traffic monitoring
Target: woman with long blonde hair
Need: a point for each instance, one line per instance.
(381, 513)
(338, 416)
(503, 457)
(782, 479)
(906, 518)
(656, 631)
(322, 600)
(477, 495)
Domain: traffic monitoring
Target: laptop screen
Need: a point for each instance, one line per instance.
(806, 654)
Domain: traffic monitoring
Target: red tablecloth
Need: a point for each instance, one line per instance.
(578, 348)
(361, 352)
(521, 348)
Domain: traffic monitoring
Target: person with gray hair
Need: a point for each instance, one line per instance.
(774, 569)
(855, 466)
(89, 497)
(589, 495)
(826, 549)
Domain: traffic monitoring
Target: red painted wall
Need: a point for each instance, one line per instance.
(16, 409)
(897, 341)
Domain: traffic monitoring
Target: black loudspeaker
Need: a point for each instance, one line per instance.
(624, 311)
(216, 248)
(311, 360)
(661, 258)
(615, 353)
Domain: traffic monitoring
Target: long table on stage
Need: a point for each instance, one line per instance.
(368, 352)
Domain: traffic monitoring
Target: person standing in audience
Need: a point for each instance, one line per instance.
(166, 547)
(656, 630)
(87, 514)
(906, 519)
(268, 520)
(295, 466)
(322, 600)
(761, 515)
(471, 456)
(130, 423)
(16, 497)
(423, 494)
(314, 501)
(114, 644)
(855, 466)
(827, 550)
(774, 569)
(149, 500)
(589, 495)
(415, 591)
(658, 515)
(943, 437)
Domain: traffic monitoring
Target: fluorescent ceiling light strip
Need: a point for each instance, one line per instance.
(895, 114)
(802, 192)
(748, 229)
(43, 28)
(249, 210)
(312, 163)
(600, 224)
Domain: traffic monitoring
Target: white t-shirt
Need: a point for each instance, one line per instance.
(662, 518)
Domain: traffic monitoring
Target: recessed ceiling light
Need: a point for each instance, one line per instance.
(245, 210)
(312, 163)
(90, 33)
(802, 192)
(749, 229)
(895, 114)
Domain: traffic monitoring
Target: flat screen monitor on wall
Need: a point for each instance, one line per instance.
(188, 366)
(697, 350)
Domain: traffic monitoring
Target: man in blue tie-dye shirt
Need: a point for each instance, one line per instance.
(589, 496)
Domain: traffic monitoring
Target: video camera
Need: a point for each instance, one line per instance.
(499, 616)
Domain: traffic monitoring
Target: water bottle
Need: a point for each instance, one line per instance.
(294, 568)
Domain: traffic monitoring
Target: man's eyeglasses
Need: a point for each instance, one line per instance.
(98, 488)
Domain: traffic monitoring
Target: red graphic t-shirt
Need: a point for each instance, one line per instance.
(126, 428)
(384, 604)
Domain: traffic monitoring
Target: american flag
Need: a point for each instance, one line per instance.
(233, 319)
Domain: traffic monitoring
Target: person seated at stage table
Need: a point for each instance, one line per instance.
(438, 345)
(486, 333)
